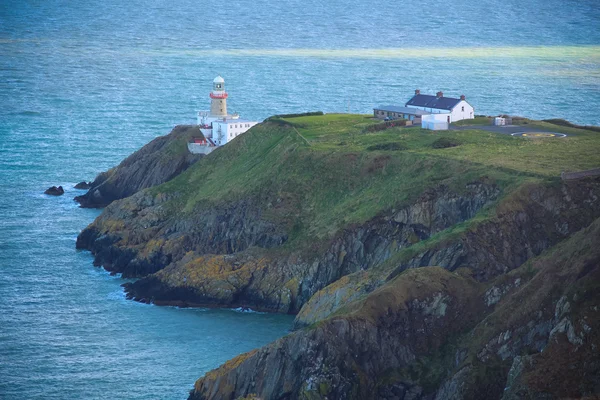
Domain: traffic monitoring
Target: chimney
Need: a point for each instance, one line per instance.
(417, 91)
(462, 97)
(439, 94)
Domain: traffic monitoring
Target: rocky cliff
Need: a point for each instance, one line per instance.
(430, 333)
(523, 225)
(269, 279)
(415, 272)
(157, 162)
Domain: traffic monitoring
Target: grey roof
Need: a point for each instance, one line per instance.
(425, 100)
(403, 110)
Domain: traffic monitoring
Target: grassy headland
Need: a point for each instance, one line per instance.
(325, 172)
(322, 216)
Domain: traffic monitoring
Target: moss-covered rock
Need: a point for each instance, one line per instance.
(344, 357)
(430, 333)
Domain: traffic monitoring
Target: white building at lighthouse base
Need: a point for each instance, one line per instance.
(217, 126)
(224, 130)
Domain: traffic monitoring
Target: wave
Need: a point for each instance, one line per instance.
(246, 310)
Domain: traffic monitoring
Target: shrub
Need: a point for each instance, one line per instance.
(560, 122)
(388, 146)
(384, 125)
(520, 121)
(563, 122)
(444, 143)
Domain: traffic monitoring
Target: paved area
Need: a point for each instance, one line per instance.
(514, 130)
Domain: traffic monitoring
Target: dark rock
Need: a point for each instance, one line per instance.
(399, 341)
(157, 162)
(489, 249)
(55, 191)
(234, 229)
(352, 357)
(83, 185)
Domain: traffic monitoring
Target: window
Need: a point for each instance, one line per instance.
(463, 109)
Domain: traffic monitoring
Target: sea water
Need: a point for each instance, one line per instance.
(85, 83)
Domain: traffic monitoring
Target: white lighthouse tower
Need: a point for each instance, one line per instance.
(216, 125)
(218, 103)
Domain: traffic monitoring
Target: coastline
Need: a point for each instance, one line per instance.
(250, 250)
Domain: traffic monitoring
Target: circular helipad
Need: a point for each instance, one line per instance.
(538, 135)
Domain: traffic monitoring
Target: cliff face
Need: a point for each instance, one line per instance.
(229, 257)
(157, 162)
(433, 334)
(344, 357)
(525, 223)
(137, 237)
(416, 272)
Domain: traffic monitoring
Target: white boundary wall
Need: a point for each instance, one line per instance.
(435, 122)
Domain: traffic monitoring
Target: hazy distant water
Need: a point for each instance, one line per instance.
(83, 84)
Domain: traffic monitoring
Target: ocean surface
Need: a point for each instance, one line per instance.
(85, 83)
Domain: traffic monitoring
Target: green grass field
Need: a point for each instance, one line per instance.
(544, 156)
(318, 174)
(474, 121)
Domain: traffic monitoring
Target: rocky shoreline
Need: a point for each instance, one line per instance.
(460, 289)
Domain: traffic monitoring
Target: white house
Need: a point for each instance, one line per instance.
(217, 126)
(225, 130)
(455, 109)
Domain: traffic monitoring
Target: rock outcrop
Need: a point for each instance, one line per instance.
(432, 334)
(55, 191)
(83, 185)
(157, 162)
(211, 258)
(345, 357)
(527, 222)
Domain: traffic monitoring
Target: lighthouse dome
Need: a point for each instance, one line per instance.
(218, 79)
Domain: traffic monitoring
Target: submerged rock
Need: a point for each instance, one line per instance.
(55, 191)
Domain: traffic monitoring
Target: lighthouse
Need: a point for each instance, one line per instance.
(217, 127)
(218, 103)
